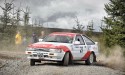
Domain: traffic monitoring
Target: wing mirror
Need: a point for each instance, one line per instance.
(40, 40)
(77, 42)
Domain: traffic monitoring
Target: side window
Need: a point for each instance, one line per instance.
(80, 39)
(88, 41)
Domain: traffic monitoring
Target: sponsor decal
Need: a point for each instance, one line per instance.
(76, 46)
(81, 49)
(94, 48)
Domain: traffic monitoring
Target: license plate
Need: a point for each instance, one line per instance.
(40, 54)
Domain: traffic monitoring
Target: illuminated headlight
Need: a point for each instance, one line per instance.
(30, 49)
(55, 50)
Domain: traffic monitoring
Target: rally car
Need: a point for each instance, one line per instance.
(64, 47)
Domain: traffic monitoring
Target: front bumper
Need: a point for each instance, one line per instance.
(45, 55)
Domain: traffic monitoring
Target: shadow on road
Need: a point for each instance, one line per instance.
(59, 64)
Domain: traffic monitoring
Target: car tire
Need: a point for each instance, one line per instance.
(66, 59)
(32, 62)
(90, 60)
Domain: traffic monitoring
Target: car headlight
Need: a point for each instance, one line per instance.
(30, 49)
(56, 50)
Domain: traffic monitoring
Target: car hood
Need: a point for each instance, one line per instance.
(48, 45)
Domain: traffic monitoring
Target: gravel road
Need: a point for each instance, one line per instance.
(16, 63)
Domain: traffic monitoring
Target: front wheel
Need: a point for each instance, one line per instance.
(90, 60)
(32, 62)
(66, 59)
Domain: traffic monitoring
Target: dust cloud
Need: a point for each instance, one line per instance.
(114, 60)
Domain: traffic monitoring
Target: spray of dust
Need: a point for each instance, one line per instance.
(114, 60)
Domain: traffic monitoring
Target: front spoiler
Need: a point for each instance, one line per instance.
(45, 59)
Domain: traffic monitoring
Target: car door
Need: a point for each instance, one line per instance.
(91, 45)
(80, 49)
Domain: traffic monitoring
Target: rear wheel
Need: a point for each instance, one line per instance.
(66, 59)
(32, 62)
(90, 60)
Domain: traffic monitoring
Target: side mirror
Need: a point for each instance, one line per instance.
(40, 40)
(76, 42)
(96, 43)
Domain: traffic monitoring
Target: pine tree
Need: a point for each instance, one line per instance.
(115, 31)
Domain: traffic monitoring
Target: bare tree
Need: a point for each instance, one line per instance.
(79, 27)
(26, 19)
(90, 28)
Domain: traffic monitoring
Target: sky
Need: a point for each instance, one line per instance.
(63, 13)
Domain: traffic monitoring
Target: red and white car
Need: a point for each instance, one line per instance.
(64, 47)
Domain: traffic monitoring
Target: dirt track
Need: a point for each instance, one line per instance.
(16, 63)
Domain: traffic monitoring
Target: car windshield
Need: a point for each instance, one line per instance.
(58, 38)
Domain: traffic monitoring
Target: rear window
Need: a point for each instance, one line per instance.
(88, 41)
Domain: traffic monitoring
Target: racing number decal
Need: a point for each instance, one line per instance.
(81, 49)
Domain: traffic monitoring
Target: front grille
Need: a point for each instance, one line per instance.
(34, 55)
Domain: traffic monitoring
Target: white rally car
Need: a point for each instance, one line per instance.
(64, 47)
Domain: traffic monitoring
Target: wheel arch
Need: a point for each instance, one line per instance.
(88, 53)
(92, 52)
(70, 55)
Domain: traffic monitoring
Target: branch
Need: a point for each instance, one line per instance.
(2, 8)
(12, 2)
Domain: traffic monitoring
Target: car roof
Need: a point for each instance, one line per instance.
(70, 34)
